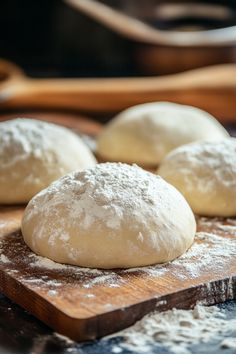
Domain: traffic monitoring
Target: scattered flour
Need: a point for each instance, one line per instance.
(220, 225)
(116, 349)
(228, 343)
(208, 250)
(40, 282)
(65, 339)
(52, 293)
(155, 270)
(111, 280)
(2, 224)
(91, 296)
(216, 250)
(177, 330)
(4, 259)
(43, 262)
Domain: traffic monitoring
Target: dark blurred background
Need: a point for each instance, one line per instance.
(50, 38)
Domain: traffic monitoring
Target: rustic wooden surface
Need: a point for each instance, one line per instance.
(84, 304)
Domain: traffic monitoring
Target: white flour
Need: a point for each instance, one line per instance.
(42, 262)
(34, 153)
(52, 293)
(3, 258)
(204, 166)
(202, 255)
(102, 195)
(228, 343)
(27, 137)
(219, 225)
(177, 330)
(85, 215)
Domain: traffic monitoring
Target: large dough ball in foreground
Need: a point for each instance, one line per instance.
(35, 153)
(144, 134)
(109, 216)
(205, 173)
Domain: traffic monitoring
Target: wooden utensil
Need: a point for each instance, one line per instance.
(211, 88)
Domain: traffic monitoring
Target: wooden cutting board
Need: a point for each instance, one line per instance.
(85, 304)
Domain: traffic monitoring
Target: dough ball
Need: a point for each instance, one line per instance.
(205, 173)
(35, 153)
(144, 134)
(110, 216)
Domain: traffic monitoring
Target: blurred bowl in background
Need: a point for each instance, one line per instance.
(170, 36)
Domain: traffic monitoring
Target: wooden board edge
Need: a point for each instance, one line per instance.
(219, 290)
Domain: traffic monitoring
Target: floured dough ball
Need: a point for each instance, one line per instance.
(205, 173)
(35, 153)
(110, 216)
(144, 134)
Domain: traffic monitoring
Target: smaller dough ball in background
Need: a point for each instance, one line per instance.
(109, 216)
(205, 173)
(33, 154)
(144, 134)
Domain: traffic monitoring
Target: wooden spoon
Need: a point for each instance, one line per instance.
(211, 88)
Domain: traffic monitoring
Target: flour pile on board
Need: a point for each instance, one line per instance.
(215, 250)
(4, 259)
(177, 330)
(227, 226)
(210, 254)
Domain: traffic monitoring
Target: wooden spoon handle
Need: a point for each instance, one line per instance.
(212, 89)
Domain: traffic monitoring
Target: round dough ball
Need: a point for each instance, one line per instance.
(144, 134)
(205, 173)
(110, 216)
(35, 153)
